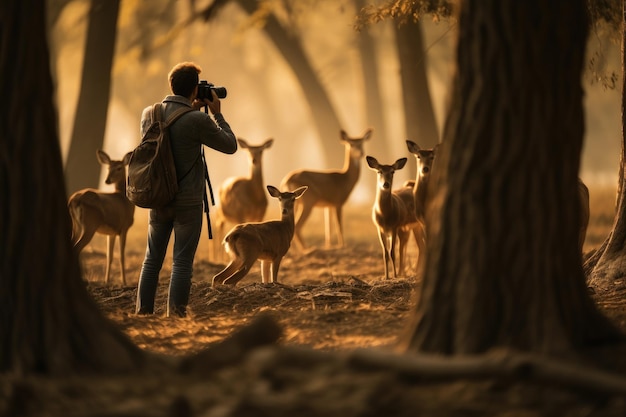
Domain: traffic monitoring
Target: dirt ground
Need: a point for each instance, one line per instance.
(338, 321)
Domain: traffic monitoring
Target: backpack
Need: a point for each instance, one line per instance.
(152, 181)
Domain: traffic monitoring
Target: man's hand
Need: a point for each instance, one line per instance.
(214, 106)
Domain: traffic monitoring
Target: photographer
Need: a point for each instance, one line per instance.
(184, 214)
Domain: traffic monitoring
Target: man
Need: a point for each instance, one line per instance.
(184, 214)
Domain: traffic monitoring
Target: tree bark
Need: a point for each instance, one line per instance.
(608, 263)
(90, 118)
(503, 266)
(48, 321)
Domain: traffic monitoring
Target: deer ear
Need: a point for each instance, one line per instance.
(367, 134)
(103, 157)
(243, 143)
(273, 191)
(371, 161)
(413, 147)
(268, 143)
(399, 164)
(298, 192)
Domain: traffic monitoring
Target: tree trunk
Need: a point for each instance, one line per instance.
(503, 266)
(82, 169)
(608, 263)
(48, 321)
(324, 116)
(374, 115)
(420, 123)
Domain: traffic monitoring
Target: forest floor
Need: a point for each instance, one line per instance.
(336, 321)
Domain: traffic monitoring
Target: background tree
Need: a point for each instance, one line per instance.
(419, 115)
(93, 102)
(503, 267)
(607, 264)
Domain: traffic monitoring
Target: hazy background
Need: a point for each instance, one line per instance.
(264, 99)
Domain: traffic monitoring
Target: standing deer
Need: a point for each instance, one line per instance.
(110, 214)
(389, 212)
(414, 196)
(328, 189)
(243, 199)
(268, 241)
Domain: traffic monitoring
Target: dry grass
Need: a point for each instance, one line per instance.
(602, 215)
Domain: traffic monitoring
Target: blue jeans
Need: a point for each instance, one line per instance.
(186, 222)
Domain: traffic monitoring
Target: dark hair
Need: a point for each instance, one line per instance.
(184, 78)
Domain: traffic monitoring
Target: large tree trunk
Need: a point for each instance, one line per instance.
(82, 169)
(503, 266)
(608, 263)
(48, 321)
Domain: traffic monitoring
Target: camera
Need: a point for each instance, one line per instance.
(204, 90)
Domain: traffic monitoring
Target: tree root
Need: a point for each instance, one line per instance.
(263, 330)
(502, 364)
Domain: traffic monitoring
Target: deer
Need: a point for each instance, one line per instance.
(389, 212)
(413, 193)
(243, 199)
(266, 241)
(111, 214)
(329, 189)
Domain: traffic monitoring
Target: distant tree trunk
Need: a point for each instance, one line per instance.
(325, 118)
(374, 114)
(608, 263)
(82, 169)
(48, 321)
(503, 266)
(420, 122)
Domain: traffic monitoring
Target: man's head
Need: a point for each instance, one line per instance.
(184, 78)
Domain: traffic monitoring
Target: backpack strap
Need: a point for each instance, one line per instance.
(174, 116)
(157, 116)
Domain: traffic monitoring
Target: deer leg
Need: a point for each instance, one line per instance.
(304, 215)
(110, 247)
(122, 257)
(266, 269)
(275, 268)
(392, 253)
(234, 265)
(339, 223)
(84, 238)
(240, 273)
(383, 244)
(403, 238)
(218, 249)
(420, 238)
(327, 227)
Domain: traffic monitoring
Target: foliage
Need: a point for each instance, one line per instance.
(403, 10)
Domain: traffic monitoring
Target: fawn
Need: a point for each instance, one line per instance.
(389, 213)
(110, 214)
(267, 241)
(243, 199)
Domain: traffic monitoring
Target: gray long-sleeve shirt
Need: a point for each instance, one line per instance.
(188, 134)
